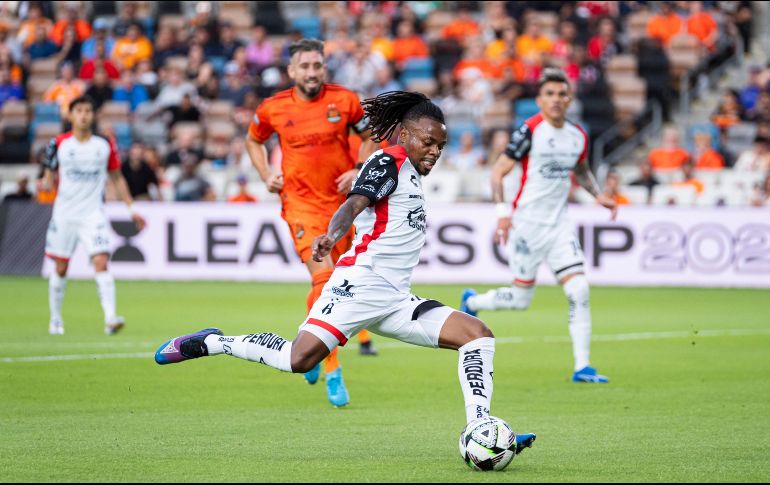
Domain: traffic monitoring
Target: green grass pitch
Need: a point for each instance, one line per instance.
(689, 398)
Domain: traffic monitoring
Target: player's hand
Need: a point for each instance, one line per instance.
(322, 246)
(345, 181)
(503, 229)
(139, 221)
(609, 203)
(275, 183)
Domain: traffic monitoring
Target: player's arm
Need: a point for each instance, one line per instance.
(517, 149)
(50, 165)
(259, 131)
(116, 176)
(339, 225)
(586, 179)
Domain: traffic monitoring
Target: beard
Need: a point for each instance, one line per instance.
(310, 92)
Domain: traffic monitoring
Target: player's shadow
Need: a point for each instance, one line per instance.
(126, 252)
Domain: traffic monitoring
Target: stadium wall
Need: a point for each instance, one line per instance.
(650, 246)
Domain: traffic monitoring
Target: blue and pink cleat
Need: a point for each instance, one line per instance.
(186, 347)
(589, 374)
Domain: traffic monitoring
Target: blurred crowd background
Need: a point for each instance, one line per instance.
(674, 95)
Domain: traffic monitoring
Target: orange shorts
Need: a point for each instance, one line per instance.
(305, 227)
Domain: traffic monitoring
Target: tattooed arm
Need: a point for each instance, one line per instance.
(339, 225)
(587, 180)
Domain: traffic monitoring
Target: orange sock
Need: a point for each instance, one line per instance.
(331, 363)
(363, 336)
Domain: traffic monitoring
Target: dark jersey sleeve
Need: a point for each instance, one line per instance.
(521, 142)
(377, 179)
(51, 160)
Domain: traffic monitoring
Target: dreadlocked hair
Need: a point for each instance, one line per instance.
(387, 110)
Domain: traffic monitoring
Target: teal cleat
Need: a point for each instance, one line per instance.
(524, 441)
(589, 374)
(467, 293)
(335, 389)
(312, 376)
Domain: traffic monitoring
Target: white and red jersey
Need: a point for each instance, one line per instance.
(390, 232)
(82, 168)
(547, 155)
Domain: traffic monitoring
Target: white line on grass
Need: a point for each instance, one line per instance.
(616, 337)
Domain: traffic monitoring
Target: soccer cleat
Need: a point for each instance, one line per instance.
(366, 348)
(312, 376)
(588, 374)
(186, 347)
(335, 389)
(467, 293)
(115, 326)
(524, 441)
(56, 327)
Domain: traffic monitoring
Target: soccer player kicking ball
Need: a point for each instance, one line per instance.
(83, 160)
(549, 148)
(313, 120)
(370, 287)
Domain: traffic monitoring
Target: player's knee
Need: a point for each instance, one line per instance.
(576, 288)
(303, 361)
(61, 268)
(478, 329)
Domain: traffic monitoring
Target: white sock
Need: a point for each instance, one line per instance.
(475, 371)
(56, 287)
(506, 298)
(105, 285)
(265, 348)
(577, 292)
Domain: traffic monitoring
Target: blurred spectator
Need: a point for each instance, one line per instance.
(71, 19)
(9, 46)
(260, 51)
(70, 47)
(174, 89)
(358, 72)
(702, 25)
(210, 89)
(670, 156)
(28, 29)
(380, 42)
(185, 151)
(186, 111)
(498, 144)
(467, 156)
(245, 113)
(65, 89)
(706, 158)
(474, 58)
(100, 90)
(655, 69)
(9, 89)
(761, 111)
(564, 45)
(147, 77)
(646, 179)
(408, 45)
(126, 89)
(202, 37)
(127, 16)
(665, 24)
(138, 174)
(228, 40)
(99, 61)
(132, 48)
(22, 193)
(756, 159)
(152, 158)
(237, 156)
(532, 46)
(243, 194)
(688, 178)
(191, 187)
(233, 88)
(756, 84)
(729, 112)
(165, 47)
(605, 44)
(100, 35)
(761, 194)
(196, 60)
(475, 89)
(612, 189)
(384, 82)
(41, 46)
(462, 26)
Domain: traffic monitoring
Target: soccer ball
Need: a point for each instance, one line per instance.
(487, 444)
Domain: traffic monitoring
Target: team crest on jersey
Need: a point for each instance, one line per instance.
(522, 247)
(333, 114)
(417, 219)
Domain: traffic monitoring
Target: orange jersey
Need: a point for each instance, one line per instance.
(314, 141)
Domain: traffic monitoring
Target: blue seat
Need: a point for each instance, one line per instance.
(123, 135)
(309, 26)
(456, 130)
(46, 113)
(417, 69)
(524, 109)
(218, 64)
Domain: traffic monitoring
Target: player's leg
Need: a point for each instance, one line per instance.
(60, 243)
(528, 245)
(95, 237)
(566, 261)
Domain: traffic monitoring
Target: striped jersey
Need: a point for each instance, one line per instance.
(390, 232)
(82, 168)
(547, 155)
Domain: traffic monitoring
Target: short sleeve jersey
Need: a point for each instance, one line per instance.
(82, 168)
(390, 233)
(314, 141)
(548, 155)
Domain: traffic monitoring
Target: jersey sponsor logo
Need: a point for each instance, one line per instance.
(384, 160)
(267, 340)
(554, 170)
(83, 175)
(416, 219)
(415, 196)
(367, 188)
(374, 174)
(473, 368)
(333, 114)
(343, 290)
(413, 179)
(386, 187)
